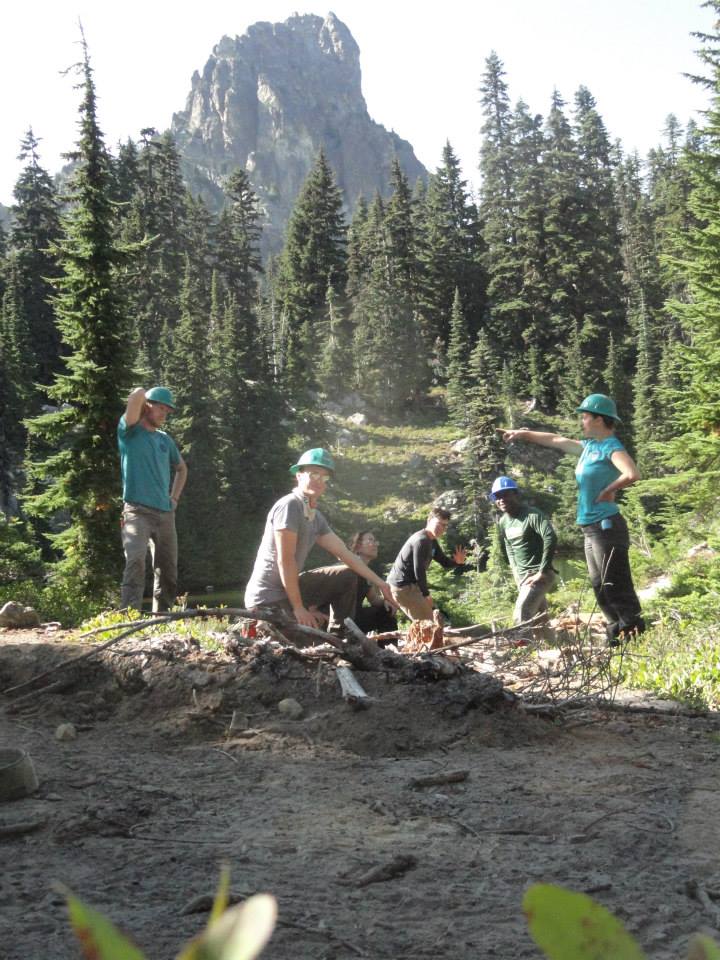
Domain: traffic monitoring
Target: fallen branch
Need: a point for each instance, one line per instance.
(435, 779)
(488, 636)
(388, 871)
(20, 828)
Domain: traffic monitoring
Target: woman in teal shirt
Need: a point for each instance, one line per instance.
(604, 467)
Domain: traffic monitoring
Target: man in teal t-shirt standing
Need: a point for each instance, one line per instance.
(153, 477)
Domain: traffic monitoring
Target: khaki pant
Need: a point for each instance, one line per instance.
(143, 527)
(412, 602)
(532, 599)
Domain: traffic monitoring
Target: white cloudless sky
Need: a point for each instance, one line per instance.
(421, 63)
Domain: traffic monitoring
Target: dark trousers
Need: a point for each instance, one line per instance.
(332, 589)
(606, 553)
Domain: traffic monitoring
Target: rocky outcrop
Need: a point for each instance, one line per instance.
(269, 100)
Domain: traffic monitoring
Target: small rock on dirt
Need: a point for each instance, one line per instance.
(17, 615)
(65, 731)
(290, 708)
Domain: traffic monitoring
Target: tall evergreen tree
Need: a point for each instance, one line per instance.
(155, 224)
(79, 478)
(449, 251)
(599, 302)
(485, 456)
(498, 206)
(695, 449)
(36, 227)
(458, 358)
(313, 258)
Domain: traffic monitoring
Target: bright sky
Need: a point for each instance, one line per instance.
(421, 63)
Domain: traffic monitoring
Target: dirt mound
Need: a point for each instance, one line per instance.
(179, 689)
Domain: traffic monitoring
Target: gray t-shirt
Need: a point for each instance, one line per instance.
(289, 513)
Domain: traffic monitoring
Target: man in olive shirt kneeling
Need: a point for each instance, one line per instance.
(527, 541)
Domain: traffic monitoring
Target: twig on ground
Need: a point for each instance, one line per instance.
(436, 779)
(396, 867)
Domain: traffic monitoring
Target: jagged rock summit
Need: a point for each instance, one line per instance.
(269, 100)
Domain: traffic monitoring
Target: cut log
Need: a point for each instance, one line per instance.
(352, 692)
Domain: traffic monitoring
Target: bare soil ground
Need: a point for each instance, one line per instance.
(137, 812)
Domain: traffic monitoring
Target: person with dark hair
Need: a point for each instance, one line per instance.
(294, 525)
(408, 577)
(604, 468)
(377, 615)
(153, 476)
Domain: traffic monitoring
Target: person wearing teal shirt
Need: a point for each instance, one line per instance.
(153, 476)
(604, 467)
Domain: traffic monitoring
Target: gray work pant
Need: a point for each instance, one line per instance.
(143, 527)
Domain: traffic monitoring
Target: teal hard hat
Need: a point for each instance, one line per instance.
(317, 457)
(160, 395)
(600, 406)
(502, 483)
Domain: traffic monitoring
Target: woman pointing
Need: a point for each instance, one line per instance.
(604, 467)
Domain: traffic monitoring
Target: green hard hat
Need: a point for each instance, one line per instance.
(317, 457)
(160, 395)
(600, 406)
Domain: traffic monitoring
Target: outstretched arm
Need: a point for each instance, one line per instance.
(553, 440)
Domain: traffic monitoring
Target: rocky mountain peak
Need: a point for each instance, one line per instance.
(269, 100)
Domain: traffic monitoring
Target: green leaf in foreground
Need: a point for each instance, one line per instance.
(99, 937)
(571, 926)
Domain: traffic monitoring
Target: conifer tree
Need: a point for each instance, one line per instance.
(563, 264)
(186, 371)
(498, 206)
(36, 227)
(15, 386)
(695, 448)
(458, 358)
(313, 257)
(575, 380)
(599, 305)
(155, 225)
(449, 250)
(74, 472)
(387, 349)
(485, 455)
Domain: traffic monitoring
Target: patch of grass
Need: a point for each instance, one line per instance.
(678, 663)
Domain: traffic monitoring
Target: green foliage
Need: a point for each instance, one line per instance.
(238, 933)
(73, 474)
(572, 926)
(19, 557)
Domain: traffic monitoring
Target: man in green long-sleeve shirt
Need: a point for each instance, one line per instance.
(528, 541)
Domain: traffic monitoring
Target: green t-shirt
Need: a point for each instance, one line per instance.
(528, 541)
(146, 459)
